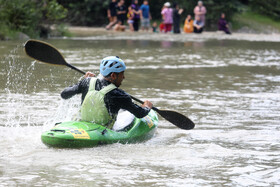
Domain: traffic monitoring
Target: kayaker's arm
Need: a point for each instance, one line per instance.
(135, 109)
(138, 111)
(118, 99)
(81, 87)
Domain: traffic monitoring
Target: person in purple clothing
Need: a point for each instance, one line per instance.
(136, 12)
(223, 25)
(145, 15)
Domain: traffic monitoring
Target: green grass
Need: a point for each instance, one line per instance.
(254, 21)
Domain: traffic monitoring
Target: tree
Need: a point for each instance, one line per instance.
(85, 12)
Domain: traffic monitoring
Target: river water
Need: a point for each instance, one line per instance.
(230, 89)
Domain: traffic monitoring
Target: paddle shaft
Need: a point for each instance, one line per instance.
(138, 100)
(74, 68)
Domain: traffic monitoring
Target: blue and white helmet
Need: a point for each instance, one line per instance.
(111, 64)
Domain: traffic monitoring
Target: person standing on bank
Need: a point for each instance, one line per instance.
(177, 11)
(112, 14)
(121, 15)
(145, 15)
(200, 11)
(136, 13)
(101, 97)
(167, 17)
(130, 16)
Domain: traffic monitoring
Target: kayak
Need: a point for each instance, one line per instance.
(78, 134)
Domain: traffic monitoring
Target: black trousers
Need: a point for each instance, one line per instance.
(176, 26)
(195, 30)
(136, 24)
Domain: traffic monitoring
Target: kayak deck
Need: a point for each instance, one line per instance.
(75, 134)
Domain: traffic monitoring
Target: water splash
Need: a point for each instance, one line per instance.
(28, 100)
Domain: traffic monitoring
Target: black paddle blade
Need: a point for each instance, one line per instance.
(177, 119)
(44, 52)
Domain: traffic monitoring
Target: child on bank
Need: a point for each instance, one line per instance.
(130, 16)
(154, 26)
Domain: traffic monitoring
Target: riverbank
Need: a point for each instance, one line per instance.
(99, 33)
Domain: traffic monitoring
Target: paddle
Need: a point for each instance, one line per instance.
(46, 53)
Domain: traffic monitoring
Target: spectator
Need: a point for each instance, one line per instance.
(121, 15)
(198, 25)
(119, 26)
(167, 17)
(222, 24)
(130, 16)
(188, 26)
(161, 27)
(136, 12)
(155, 27)
(145, 15)
(200, 11)
(177, 11)
(121, 11)
(112, 14)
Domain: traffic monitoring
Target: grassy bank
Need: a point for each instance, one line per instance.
(251, 22)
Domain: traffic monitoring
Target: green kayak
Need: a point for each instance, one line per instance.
(76, 134)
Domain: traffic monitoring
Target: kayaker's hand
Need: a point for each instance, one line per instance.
(147, 104)
(89, 74)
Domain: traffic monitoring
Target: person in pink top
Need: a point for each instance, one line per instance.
(167, 13)
(200, 11)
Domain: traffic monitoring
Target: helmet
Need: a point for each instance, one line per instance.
(111, 64)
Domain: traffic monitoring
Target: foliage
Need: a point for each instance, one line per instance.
(28, 16)
(61, 30)
(269, 7)
(256, 22)
(85, 12)
(54, 11)
(19, 15)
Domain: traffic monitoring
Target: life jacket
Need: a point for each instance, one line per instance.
(94, 109)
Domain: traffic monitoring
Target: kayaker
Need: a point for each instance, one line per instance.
(101, 97)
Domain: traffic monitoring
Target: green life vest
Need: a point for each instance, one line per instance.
(94, 108)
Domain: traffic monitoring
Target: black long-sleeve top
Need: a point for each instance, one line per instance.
(114, 100)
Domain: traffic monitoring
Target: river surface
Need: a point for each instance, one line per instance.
(230, 89)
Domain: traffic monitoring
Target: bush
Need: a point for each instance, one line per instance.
(270, 8)
(29, 16)
(85, 12)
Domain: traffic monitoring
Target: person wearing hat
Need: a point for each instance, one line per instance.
(101, 97)
(167, 13)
